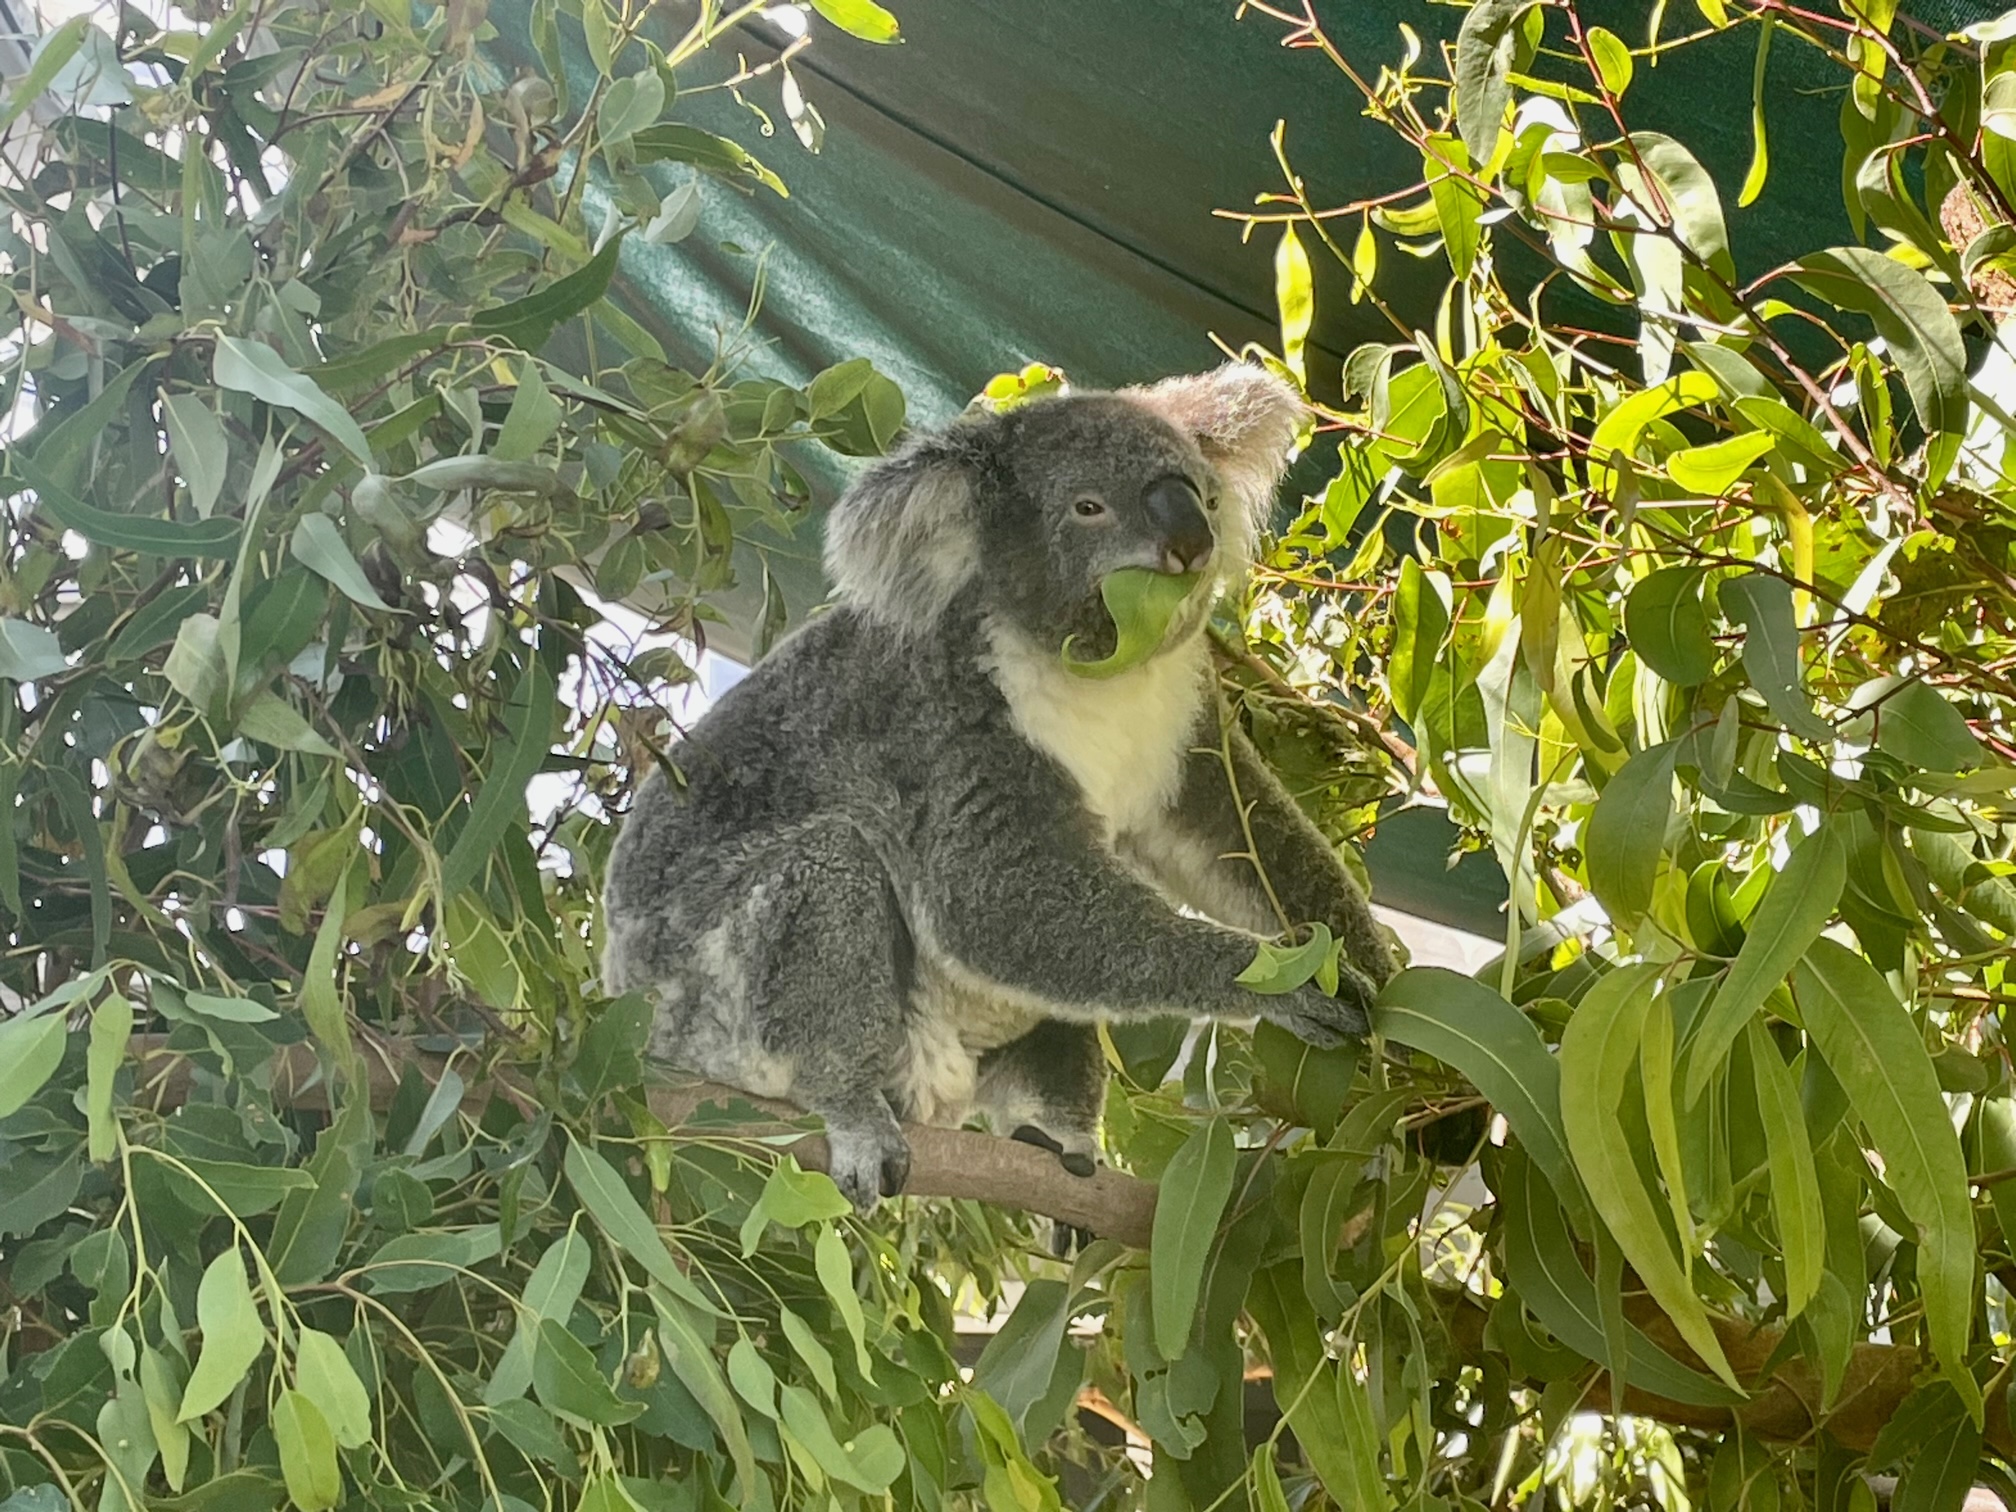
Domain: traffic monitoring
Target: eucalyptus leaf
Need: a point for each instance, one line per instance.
(200, 446)
(1144, 605)
(1668, 626)
(1763, 604)
(30, 1051)
(319, 546)
(1465, 1024)
(252, 367)
(1796, 906)
(1195, 1187)
(1878, 1056)
(1627, 832)
(1911, 316)
(233, 1336)
(1598, 1051)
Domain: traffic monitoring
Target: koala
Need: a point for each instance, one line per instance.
(913, 860)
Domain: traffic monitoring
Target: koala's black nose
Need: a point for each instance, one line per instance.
(1176, 515)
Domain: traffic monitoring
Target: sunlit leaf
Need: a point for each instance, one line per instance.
(860, 18)
(1294, 298)
(1613, 59)
(1760, 149)
(1709, 470)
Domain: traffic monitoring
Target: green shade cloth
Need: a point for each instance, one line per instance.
(1035, 180)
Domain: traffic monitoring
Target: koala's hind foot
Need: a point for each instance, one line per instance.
(1047, 1089)
(1066, 1239)
(1077, 1162)
(867, 1155)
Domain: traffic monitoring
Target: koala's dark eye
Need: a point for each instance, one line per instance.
(1088, 507)
(1211, 502)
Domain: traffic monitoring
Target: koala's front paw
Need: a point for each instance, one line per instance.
(1313, 1016)
(867, 1164)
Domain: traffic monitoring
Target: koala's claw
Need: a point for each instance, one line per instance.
(1078, 1162)
(895, 1171)
(867, 1164)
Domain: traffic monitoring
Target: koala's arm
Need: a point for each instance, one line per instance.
(1205, 859)
(1022, 894)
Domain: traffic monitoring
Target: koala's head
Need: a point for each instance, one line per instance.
(1026, 513)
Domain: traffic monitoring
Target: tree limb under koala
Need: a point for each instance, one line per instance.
(943, 1162)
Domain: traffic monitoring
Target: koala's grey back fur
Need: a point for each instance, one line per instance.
(914, 860)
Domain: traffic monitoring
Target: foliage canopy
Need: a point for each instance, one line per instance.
(328, 1180)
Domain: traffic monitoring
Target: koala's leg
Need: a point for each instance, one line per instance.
(1047, 1089)
(832, 1002)
(1202, 856)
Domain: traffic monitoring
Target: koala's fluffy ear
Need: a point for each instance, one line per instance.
(1243, 419)
(903, 540)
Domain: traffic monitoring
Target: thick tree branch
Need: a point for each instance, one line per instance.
(943, 1162)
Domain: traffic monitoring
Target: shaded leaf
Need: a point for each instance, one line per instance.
(319, 546)
(1763, 605)
(1626, 834)
(202, 451)
(528, 721)
(1796, 907)
(1913, 320)
(1598, 1052)
(111, 1030)
(1486, 44)
(1195, 1186)
(156, 537)
(616, 1212)
(1460, 1021)
(324, 1375)
(1795, 1188)
(1878, 1056)
(1550, 1280)
(1668, 627)
(232, 1335)
(252, 367)
(567, 1382)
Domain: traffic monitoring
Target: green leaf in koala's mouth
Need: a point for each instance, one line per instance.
(1144, 604)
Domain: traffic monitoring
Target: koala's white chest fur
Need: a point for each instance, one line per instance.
(1122, 739)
